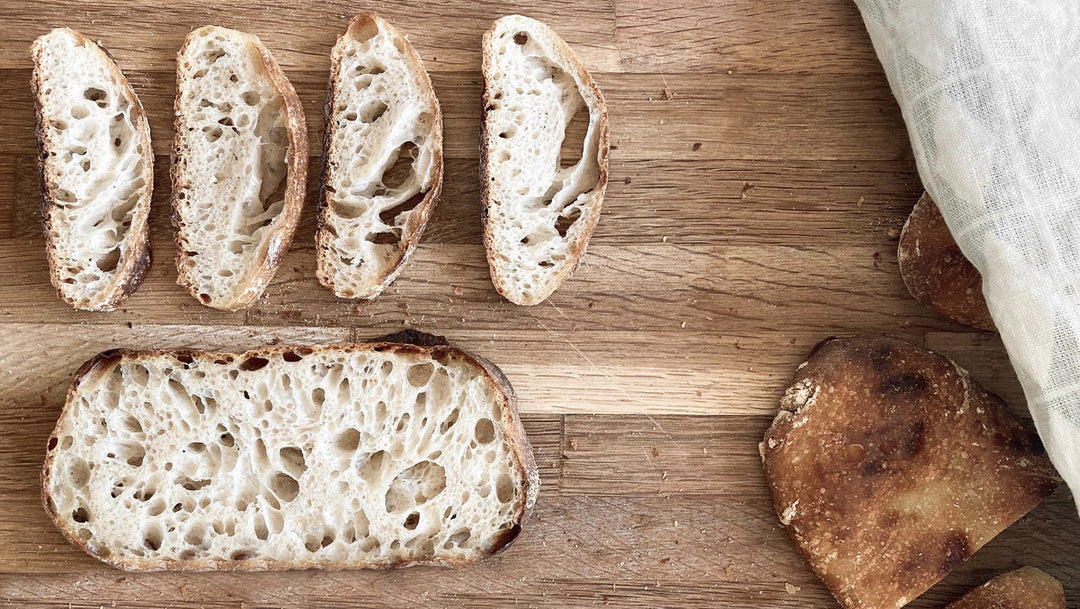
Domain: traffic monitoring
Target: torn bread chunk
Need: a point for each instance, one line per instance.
(239, 167)
(936, 272)
(97, 172)
(397, 452)
(383, 164)
(889, 466)
(543, 158)
(1024, 588)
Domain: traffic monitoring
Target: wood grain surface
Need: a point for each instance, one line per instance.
(760, 174)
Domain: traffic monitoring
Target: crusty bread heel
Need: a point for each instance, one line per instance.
(97, 172)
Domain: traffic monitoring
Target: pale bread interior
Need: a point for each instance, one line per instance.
(337, 457)
(543, 196)
(96, 165)
(383, 158)
(235, 144)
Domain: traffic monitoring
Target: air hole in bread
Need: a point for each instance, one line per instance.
(401, 169)
(109, 261)
(152, 537)
(213, 135)
(293, 460)
(573, 144)
(371, 112)
(79, 112)
(371, 466)
(485, 431)
(284, 487)
(80, 515)
(253, 363)
(415, 486)
(98, 96)
(566, 220)
(419, 374)
(521, 38)
(412, 520)
(450, 421)
(348, 441)
(250, 98)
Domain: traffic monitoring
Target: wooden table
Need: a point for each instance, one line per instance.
(760, 174)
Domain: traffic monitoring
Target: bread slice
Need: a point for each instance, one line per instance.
(382, 159)
(97, 171)
(542, 187)
(383, 454)
(936, 272)
(889, 466)
(239, 166)
(1024, 588)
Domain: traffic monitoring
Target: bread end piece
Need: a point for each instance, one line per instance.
(936, 272)
(231, 273)
(95, 269)
(889, 466)
(382, 159)
(539, 208)
(1024, 588)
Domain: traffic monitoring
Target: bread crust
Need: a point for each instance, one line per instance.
(591, 216)
(277, 244)
(1024, 588)
(136, 258)
(936, 272)
(406, 342)
(422, 212)
(889, 466)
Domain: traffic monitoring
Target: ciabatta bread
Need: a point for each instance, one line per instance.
(889, 466)
(382, 159)
(97, 171)
(541, 200)
(239, 166)
(346, 456)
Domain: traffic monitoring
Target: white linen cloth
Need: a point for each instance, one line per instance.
(990, 92)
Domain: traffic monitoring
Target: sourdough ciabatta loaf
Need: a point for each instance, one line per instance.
(889, 466)
(396, 452)
(1024, 588)
(382, 159)
(543, 158)
(97, 171)
(239, 166)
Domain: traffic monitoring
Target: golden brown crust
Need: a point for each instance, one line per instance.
(407, 342)
(936, 272)
(592, 216)
(424, 210)
(283, 227)
(1024, 588)
(889, 466)
(135, 260)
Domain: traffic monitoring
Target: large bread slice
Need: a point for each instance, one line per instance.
(382, 159)
(936, 272)
(345, 456)
(239, 166)
(97, 172)
(1024, 588)
(542, 187)
(889, 466)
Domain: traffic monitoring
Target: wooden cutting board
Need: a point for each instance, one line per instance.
(760, 174)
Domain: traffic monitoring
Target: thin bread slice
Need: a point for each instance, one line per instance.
(1024, 588)
(382, 159)
(936, 272)
(239, 166)
(889, 466)
(543, 158)
(97, 171)
(396, 452)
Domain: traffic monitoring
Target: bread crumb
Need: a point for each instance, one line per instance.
(747, 188)
(893, 233)
(696, 146)
(859, 202)
(667, 94)
(789, 513)
(663, 239)
(682, 325)
(458, 291)
(792, 588)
